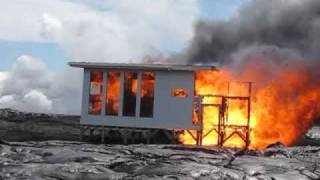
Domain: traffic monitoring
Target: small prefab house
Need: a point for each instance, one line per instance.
(145, 97)
(138, 95)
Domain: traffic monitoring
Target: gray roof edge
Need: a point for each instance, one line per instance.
(135, 66)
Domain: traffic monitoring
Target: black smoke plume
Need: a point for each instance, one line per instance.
(281, 28)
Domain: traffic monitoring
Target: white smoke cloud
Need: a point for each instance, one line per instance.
(26, 67)
(3, 76)
(50, 26)
(26, 74)
(125, 30)
(36, 100)
(130, 31)
(7, 101)
(30, 86)
(25, 86)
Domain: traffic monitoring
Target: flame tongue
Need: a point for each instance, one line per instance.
(284, 104)
(285, 107)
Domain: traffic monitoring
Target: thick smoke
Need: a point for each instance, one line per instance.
(285, 27)
(276, 45)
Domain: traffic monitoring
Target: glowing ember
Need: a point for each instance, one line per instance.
(284, 104)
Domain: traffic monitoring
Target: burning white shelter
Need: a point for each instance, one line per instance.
(138, 95)
(144, 97)
(135, 96)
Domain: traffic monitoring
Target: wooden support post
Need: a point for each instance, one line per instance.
(199, 133)
(125, 138)
(130, 136)
(102, 135)
(152, 134)
(199, 138)
(81, 130)
(169, 135)
(91, 131)
(106, 132)
(124, 135)
(174, 137)
(249, 116)
(147, 135)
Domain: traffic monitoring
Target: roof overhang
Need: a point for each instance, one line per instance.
(134, 66)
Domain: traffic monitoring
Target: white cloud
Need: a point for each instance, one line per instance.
(36, 100)
(26, 74)
(27, 86)
(3, 77)
(27, 66)
(20, 19)
(33, 101)
(128, 30)
(30, 86)
(6, 101)
(51, 26)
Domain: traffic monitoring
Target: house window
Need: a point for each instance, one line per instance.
(147, 94)
(95, 94)
(130, 93)
(113, 93)
(179, 92)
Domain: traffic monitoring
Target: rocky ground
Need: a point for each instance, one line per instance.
(74, 160)
(20, 126)
(55, 159)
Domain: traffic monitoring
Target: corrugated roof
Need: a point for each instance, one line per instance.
(134, 66)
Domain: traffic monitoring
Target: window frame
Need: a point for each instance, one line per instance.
(140, 93)
(90, 95)
(124, 98)
(106, 88)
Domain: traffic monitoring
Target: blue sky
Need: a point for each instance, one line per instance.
(55, 57)
(51, 53)
(219, 9)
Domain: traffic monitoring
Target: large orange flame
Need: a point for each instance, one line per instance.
(285, 101)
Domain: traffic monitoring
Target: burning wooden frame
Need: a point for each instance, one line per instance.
(222, 127)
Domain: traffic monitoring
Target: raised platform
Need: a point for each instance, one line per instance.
(124, 135)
